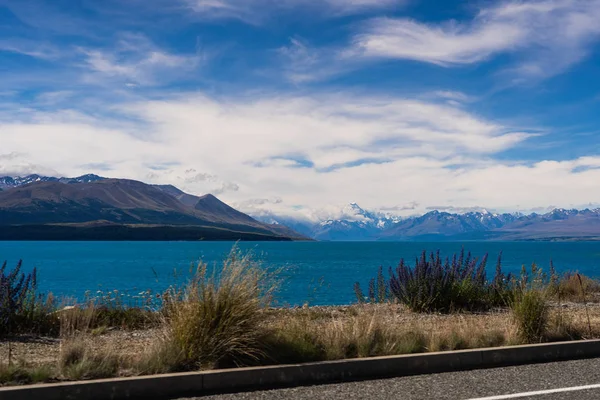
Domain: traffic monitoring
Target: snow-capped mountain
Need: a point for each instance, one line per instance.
(7, 182)
(350, 222)
(355, 223)
(10, 181)
(436, 223)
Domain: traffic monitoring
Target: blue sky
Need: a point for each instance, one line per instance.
(301, 105)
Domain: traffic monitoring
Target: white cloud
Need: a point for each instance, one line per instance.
(30, 48)
(444, 45)
(254, 12)
(452, 95)
(17, 164)
(380, 152)
(301, 62)
(548, 36)
(137, 60)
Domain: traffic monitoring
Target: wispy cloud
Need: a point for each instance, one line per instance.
(302, 63)
(452, 95)
(137, 60)
(31, 48)
(256, 12)
(547, 37)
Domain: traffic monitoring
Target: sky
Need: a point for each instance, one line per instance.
(295, 106)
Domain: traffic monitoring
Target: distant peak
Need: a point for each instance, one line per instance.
(90, 176)
(210, 199)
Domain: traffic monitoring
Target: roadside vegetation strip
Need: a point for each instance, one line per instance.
(223, 319)
(243, 379)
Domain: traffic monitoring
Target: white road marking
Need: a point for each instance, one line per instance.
(539, 393)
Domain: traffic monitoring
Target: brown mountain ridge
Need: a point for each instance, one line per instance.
(131, 210)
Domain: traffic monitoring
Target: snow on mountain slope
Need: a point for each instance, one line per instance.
(7, 182)
(352, 222)
(349, 222)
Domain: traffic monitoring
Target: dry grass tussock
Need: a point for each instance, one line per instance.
(578, 288)
(77, 361)
(216, 319)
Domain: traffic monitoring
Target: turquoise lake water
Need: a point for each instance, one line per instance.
(320, 273)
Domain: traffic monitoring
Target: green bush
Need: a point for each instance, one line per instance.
(530, 311)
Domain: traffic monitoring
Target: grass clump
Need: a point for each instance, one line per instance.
(216, 320)
(530, 311)
(163, 357)
(576, 287)
(529, 304)
(461, 339)
(77, 362)
(23, 374)
(366, 335)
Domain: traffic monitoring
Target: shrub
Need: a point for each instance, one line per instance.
(21, 308)
(216, 320)
(437, 285)
(530, 311)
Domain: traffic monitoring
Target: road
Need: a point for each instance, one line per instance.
(562, 380)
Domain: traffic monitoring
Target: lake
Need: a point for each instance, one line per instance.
(320, 273)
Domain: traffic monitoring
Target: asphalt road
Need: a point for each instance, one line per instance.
(553, 381)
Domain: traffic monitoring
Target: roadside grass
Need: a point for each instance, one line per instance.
(78, 362)
(297, 335)
(222, 318)
(372, 331)
(23, 374)
(577, 288)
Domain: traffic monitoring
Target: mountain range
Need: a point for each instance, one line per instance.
(7, 182)
(93, 207)
(359, 224)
